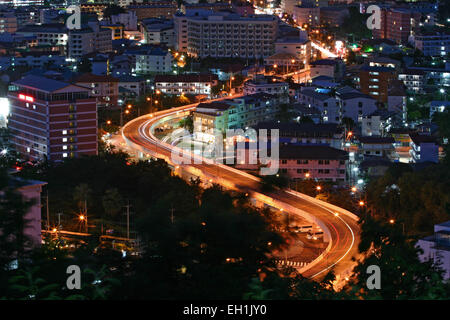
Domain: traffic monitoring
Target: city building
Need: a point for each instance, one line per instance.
(30, 190)
(22, 3)
(436, 248)
(222, 34)
(117, 31)
(267, 84)
(154, 10)
(132, 84)
(377, 123)
(46, 34)
(8, 22)
(438, 106)
(355, 105)
(432, 43)
(423, 148)
(328, 134)
(213, 6)
(333, 16)
(51, 119)
(249, 110)
(381, 61)
(287, 6)
(397, 24)
(326, 103)
(186, 83)
(306, 15)
(377, 146)
(104, 87)
(284, 62)
(158, 31)
(375, 81)
(334, 68)
(128, 20)
(151, 60)
(209, 117)
(81, 43)
(300, 48)
(243, 8)
(313, 162)
(396, 101)
(414, 80)
(238, 113)
(34, 60)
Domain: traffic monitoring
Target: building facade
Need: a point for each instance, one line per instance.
(204, 34)
(52, 119)
(186, 84)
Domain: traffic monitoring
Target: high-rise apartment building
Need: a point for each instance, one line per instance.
(52, 119)
(223, 34)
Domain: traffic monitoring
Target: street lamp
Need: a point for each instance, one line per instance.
(318, 188)
(354, 189)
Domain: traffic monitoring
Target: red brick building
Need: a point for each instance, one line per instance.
(52, 119)
(397, 24)
(376, 81)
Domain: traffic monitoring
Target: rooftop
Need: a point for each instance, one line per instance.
(421, 138)
(41, 83)
(377, 69)
(186, 78)
(92, 78)
(332, 128)
(354, 95)
(324, 62)
(312, 152)
(376, 140)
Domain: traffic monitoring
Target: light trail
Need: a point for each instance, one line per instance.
(323, 50)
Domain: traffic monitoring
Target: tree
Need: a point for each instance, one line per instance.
(271, 182)
(84, 65)
(403, 275)
(81, 195)
(348, 123)
(113, 10)
(14, 243)
(112, 202)
(187, 123)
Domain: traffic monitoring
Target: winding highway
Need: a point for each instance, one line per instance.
(340, 227)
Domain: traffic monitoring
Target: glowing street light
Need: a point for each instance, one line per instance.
(361, 203)
(391, 221)
(318, 188)
(307, 175)
(108, 122)
(354, 189)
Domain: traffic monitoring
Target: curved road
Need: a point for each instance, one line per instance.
(342, 225)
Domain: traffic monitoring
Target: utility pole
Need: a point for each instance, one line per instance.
(59, 219)
(48, 213)
(86, 215)
(128, 219)
(171, 214)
